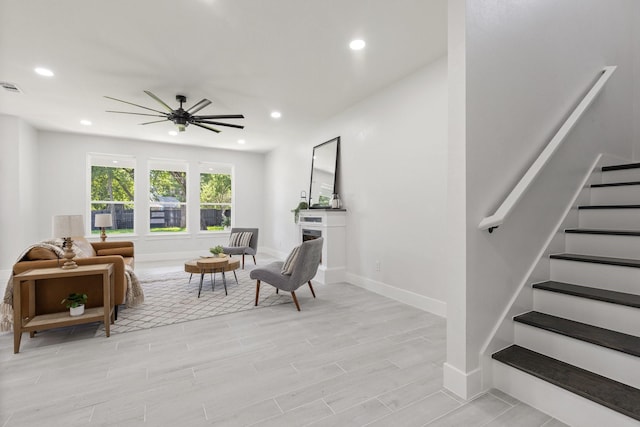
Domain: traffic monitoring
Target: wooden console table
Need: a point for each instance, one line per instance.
(33, 322)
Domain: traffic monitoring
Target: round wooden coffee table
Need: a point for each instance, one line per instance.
(212, 266)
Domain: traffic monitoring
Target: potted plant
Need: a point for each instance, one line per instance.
(217, 251)
(75, 303)
(226, 223)
(296, 211)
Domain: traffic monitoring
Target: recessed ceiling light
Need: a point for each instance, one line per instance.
(276, 114)
(43, 71)
(85, 122)
(115, 162)
(173, 133)
(357, 44)
(241, 141)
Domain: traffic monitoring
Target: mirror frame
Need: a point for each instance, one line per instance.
(335, 173)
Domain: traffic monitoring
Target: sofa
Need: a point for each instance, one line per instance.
(48, 298)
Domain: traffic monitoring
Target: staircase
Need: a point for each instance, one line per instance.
(577, 355)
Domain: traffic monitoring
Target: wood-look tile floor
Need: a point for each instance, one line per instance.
(349, 358)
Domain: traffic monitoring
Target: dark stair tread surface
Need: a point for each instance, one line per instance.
(624, 262)
(616, 184)
(613, 340)
(603, 231)
(614, 395)
(605, 295)
(621, 167)
(595, 207)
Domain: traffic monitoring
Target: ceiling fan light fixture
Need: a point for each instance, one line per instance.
(173, 133)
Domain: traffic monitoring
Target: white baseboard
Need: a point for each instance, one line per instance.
(464, 384)
(422, 302)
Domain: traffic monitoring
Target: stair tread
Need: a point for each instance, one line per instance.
(604, 391)
(625, 262)
(614, 340)
(609, 207)
(603, 231)
(616, 184)
(605, 295)
(622, 166)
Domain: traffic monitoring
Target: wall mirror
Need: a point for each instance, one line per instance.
(324, 171)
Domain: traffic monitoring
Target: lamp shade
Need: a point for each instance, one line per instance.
(103, 220)
(68, 226)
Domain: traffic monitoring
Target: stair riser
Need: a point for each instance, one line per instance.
(609, 363)
(555, 401)
(611, 277)
(625, 175)
(622, 195)
(613, 219)
(598, 313)
(603, 245)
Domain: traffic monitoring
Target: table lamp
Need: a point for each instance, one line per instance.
(102, 221)
(66, 226)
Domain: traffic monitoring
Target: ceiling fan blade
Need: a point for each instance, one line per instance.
(136, 105)
(139, 114)
(217, 123)
(205, 126)
(222, 116)
(159, 100)
(155, 121)
(199, 106)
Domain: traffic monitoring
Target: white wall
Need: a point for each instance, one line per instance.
(19, 179)
(63, 187)
(393, 157)
(526, 64)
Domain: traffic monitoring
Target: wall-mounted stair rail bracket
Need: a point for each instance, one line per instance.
(492, 222)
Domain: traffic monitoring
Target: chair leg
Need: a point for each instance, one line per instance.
(277, 290)
(243, 261)
(311, 287)
(254, 259)
(295, 300)
(257, 291)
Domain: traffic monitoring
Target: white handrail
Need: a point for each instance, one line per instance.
(521, 187)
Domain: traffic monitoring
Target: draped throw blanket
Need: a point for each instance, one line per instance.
(135, 295)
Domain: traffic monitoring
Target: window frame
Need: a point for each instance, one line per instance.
(109, 161)
(214, 168)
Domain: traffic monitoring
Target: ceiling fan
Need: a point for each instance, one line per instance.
(181, 117)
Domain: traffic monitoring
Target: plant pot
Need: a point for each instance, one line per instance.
(76, 311)
(221, 255)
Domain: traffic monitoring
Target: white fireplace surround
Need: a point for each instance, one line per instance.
(331, 224)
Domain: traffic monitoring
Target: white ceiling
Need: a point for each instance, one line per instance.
(247, 56)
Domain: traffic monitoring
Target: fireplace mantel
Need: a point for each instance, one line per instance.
(330, 224)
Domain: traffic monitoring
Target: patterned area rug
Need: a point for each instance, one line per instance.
(169, 298)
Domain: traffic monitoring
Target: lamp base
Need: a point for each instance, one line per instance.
(103, 235)
(69, 254)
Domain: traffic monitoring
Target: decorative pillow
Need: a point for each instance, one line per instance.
(241, 239)
(38, 253)
(125, 252)
(289, 263)
(83, 248)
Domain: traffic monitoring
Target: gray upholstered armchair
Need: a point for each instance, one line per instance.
(250, 249)
(303, 268)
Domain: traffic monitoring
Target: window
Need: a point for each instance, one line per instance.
(112, 192)
(215, 196)
(167, 196)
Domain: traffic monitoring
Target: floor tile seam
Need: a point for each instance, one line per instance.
(499, 415)
(8, 419)
(309, 385)
(502, 400)
(271, 417)
(461, 405)
(411, 403)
